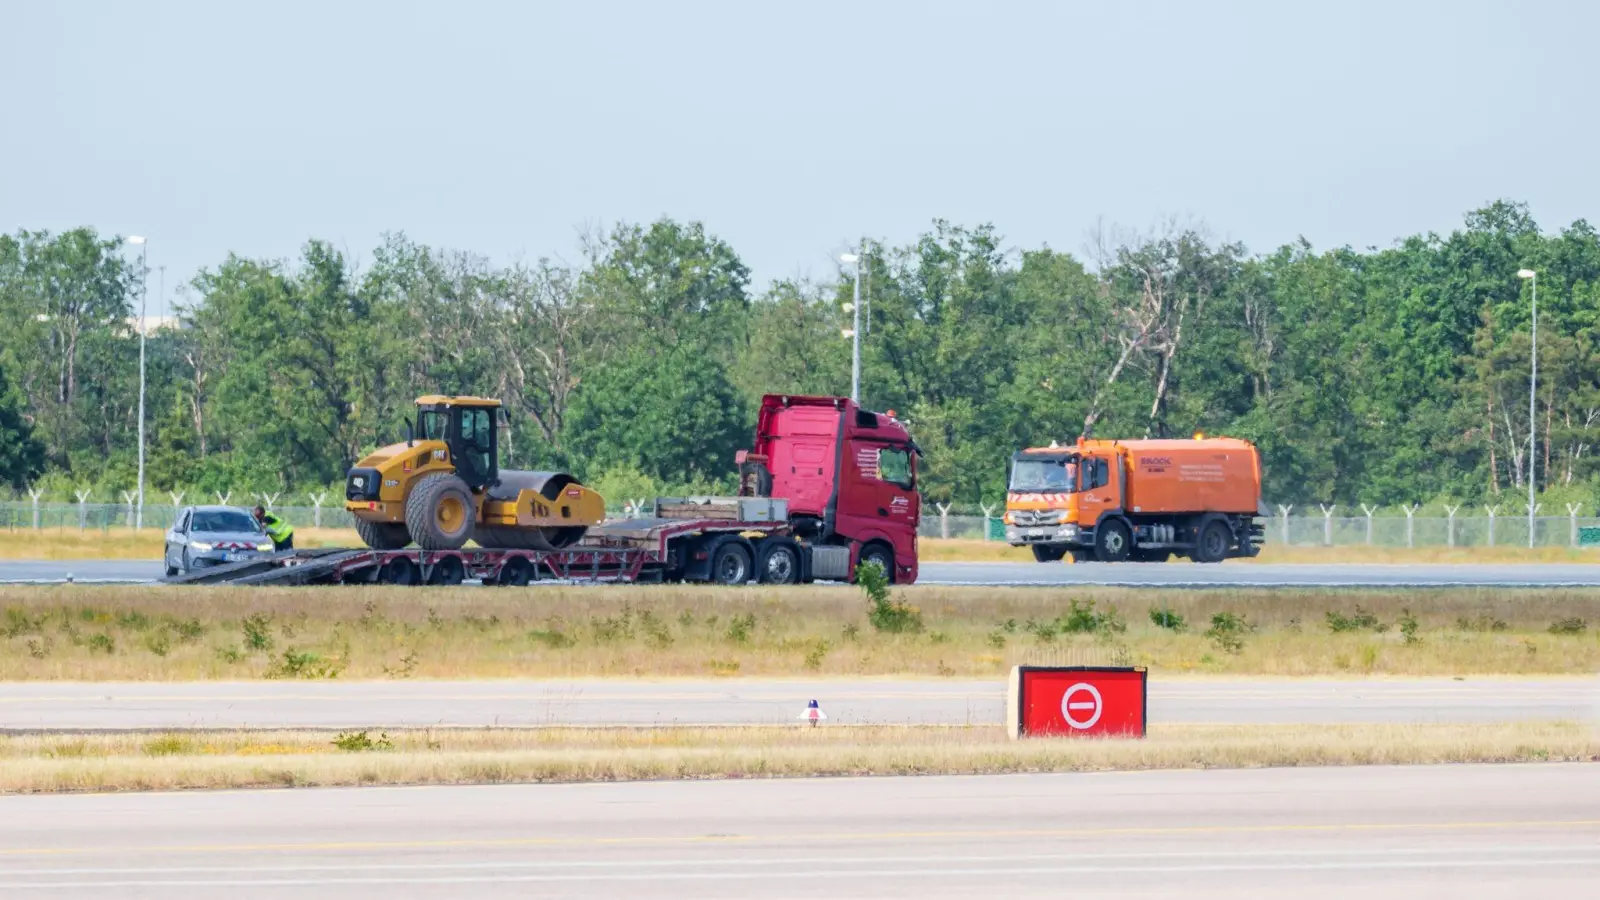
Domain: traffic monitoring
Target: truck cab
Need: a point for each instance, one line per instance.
(849, 476)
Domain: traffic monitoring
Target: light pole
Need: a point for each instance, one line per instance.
(855, 332)
(144, 292)
(1533, 387)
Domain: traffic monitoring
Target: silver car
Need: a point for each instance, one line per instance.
(212, 536)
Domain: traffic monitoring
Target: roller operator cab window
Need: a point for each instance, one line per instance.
(894, 467)
(477, 435)
(1058, 475)
(433, 424)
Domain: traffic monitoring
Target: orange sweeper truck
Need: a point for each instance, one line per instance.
(1142, 500)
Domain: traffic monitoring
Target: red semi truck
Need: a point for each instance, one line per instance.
(826, 486)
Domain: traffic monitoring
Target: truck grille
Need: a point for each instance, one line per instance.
(1027, 517)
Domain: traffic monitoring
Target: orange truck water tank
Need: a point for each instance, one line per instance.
(1177, 476)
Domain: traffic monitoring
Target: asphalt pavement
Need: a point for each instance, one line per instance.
(1417, 832)
(396, 704)
(1176, 574)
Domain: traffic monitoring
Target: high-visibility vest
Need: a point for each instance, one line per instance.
(277, 529)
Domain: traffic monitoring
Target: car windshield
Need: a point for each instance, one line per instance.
(1044, 475)
(223, 520)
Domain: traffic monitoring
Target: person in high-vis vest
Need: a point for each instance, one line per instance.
(277, 528)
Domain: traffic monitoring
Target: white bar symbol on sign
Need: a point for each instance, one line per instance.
(1068, 706)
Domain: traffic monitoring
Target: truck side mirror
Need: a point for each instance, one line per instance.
(410, 434)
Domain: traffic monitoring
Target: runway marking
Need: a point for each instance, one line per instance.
(824, 873)
(821, 860)
(822, 836)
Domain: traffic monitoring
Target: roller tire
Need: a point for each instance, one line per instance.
(422, 517)
(383, 535)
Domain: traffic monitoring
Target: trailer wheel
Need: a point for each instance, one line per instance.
(400, 570)
(383, 535)
(440, 512)
(446, 572)
(780, 563)
(1111, 541)
(1213, 544)
(517, 572)
(1047, 553)
(730, 564)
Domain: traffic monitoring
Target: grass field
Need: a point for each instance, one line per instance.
(166, 761)
(82, 632)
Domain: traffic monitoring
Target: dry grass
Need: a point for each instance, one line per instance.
(279, 759)
(82, 632)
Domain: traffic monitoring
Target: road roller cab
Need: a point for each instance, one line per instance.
(444, 486)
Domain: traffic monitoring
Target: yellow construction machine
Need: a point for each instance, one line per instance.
(444, 485)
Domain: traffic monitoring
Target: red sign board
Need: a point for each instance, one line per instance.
(1077, 701)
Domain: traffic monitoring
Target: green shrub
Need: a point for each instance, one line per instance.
(257, 632)
(885, 613)
(362, 742)
(1227, 631)
(1409, 627)
(1572, 625)
(1360, 620)
(740, 628)
(1166, 618)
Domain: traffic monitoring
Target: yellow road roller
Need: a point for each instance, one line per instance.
(444, 486)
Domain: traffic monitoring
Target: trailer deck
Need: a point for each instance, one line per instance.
(621, 551)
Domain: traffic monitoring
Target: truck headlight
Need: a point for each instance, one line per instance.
(200, 546)
(1067, 531)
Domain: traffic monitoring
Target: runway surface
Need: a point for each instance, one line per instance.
(394, 704)
(1377, 833)
(1178, 574)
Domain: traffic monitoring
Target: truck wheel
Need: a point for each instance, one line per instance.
(780, 563)
(1111, 541)
(730, 565)
(1048, 553)
(440, 513)
(383, 535)
(1213, 544)
(882, 555)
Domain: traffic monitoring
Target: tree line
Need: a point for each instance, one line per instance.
(1384, 376)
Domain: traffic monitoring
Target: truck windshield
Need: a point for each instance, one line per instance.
(1044, 475)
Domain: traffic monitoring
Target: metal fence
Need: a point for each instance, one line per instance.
(1333, 531)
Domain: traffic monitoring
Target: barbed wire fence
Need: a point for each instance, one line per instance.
(1485, 526)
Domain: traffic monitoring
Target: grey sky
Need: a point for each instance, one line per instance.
(506, 127)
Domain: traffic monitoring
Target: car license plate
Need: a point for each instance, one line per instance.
(235, 557)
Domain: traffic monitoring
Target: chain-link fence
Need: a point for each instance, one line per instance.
(1333, 531)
